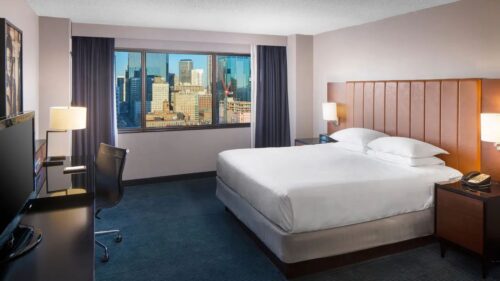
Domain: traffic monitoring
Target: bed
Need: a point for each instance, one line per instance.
(368, 208)
(279, 192)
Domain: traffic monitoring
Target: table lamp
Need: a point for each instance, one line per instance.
(490, 128)
(63, 119)
(330, 113)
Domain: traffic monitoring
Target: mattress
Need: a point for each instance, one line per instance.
(316, 187)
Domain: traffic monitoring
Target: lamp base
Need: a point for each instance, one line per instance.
(56, 158)
(334, 122)
(54, 161)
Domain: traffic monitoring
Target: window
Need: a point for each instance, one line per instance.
(128, 87)
(233, 89)
(171, 91)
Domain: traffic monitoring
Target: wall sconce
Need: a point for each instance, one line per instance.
(330, 113)
(490, 128)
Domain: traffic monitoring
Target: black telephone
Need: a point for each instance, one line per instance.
(476, 180)
(325, 138)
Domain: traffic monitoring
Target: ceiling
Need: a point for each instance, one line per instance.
(278, 17)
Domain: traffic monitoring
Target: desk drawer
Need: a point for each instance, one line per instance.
(459, 219)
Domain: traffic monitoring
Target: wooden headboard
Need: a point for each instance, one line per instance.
(445, 113)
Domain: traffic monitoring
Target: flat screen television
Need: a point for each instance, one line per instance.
(17, 182)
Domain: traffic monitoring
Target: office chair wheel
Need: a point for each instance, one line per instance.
(105, 257)
(118, 238)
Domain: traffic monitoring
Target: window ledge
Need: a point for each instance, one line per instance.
(186, 128)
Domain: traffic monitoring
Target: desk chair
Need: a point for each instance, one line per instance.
(108, 186)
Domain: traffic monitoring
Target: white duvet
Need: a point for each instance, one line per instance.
(315, 187)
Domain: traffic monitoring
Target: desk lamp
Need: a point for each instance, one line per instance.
(63, 119)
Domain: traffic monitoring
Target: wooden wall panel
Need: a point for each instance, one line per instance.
(391, 108)
(433, 112)
(449, 121)
(403, 109)
(379, 107)
(445, 113)
(349, 105)
(469, 108)
(490, 103)
(417, 112)
(358, 104)
(368, 105)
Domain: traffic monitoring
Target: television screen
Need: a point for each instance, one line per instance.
(16, 171)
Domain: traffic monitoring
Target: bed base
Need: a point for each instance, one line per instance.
(303, 253)
(293, 270)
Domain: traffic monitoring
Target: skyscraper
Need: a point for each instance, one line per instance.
(205, 108)
(197, 77)
(185, 67)
(120, 92)
(134, 66)
(120, 89)
(134, 88)
(160, 95)
(187, 103)
(157, 64)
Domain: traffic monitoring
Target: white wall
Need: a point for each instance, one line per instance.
(19, 13)
(179, 152)
(55, 77)
(178, 35)
(291, 61)
(300, 85)
(156, 154)
(458, 40)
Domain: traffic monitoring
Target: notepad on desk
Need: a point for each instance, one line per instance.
(75, 169)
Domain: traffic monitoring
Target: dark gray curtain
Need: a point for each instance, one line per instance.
(93, 84)
(272, 128)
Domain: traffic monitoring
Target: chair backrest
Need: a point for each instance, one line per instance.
(109, 166)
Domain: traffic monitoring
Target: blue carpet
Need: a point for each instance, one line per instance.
(180, 231)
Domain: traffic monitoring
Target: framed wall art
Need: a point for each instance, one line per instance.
(11, 72)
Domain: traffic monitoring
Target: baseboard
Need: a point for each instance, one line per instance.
(170, 178)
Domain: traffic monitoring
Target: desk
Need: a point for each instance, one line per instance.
(67, 224)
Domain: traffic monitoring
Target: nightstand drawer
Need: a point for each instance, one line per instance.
(460, 220)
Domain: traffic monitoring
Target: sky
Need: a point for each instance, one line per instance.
(199, 62)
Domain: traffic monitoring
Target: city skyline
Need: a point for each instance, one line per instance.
(179, 90)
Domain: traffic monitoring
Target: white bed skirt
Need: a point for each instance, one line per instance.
(292, 248)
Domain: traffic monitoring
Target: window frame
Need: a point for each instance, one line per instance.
(214, 125)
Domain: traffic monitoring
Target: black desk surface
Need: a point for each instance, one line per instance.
(67, 248)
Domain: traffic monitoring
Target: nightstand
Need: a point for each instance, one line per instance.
(307, 141)
(468, 219)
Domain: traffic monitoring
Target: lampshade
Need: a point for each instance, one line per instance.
(68, 118)
(490, 127)
(330, 111)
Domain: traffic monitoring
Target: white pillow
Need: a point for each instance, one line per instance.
(408, 161)
(358, 136)
(405, 147)
(350, 146)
